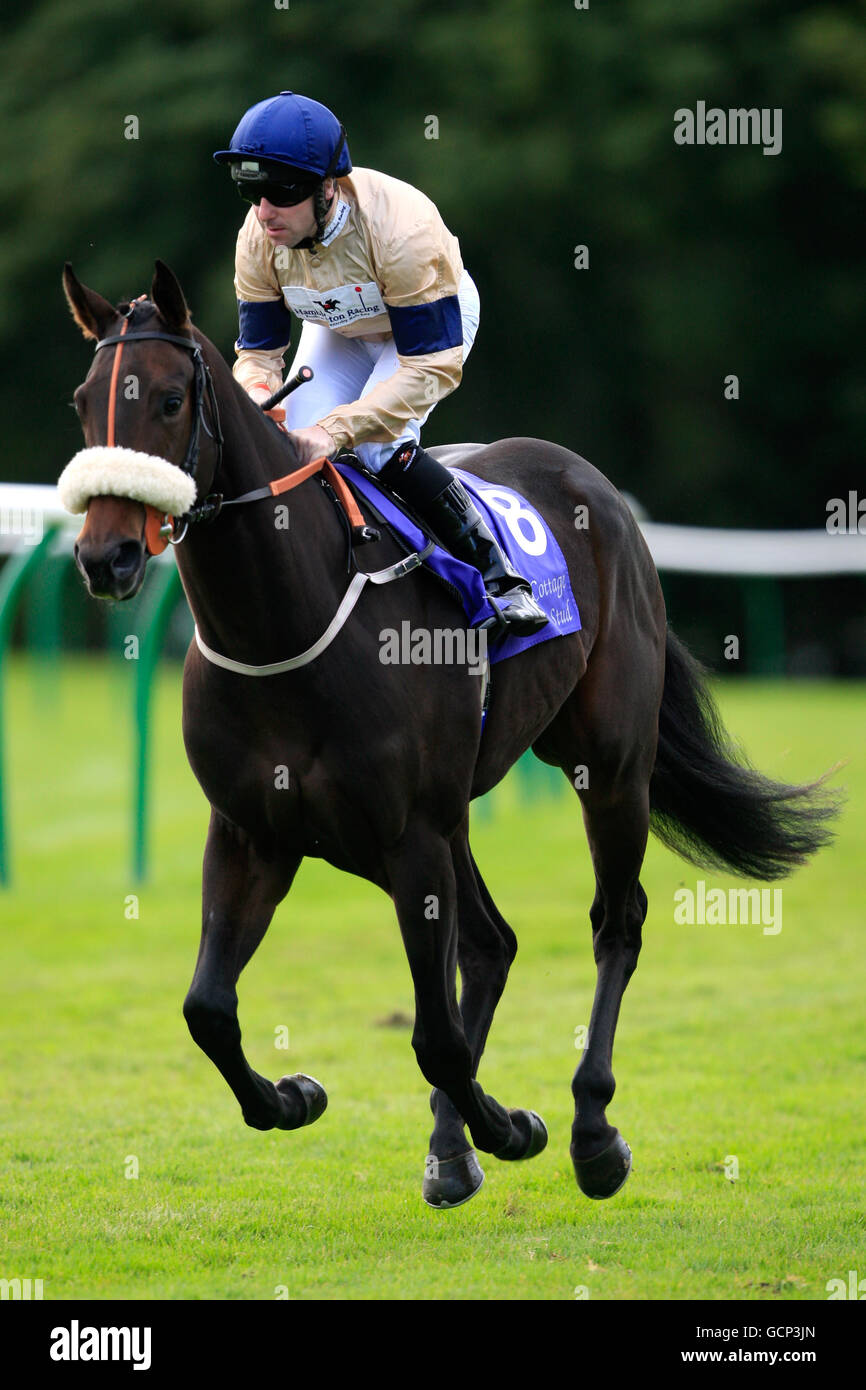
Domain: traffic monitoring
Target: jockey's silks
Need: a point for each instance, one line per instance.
(387, 266)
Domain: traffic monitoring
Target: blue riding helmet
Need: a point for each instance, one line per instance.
(291, 130)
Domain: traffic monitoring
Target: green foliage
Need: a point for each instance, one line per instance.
(555, 129)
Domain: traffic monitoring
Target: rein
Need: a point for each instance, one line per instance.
(160, 527)
(300, 475)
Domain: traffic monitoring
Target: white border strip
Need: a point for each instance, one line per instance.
(712, 550)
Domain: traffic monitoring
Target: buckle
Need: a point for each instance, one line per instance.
(362, 534)
(209, 509)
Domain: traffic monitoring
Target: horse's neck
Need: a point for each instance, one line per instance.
(264, 578)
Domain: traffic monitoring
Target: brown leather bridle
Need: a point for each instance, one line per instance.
(160, 527)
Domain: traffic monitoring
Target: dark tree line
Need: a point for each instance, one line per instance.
(554, 130)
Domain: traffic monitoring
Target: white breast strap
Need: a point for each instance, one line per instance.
(350, 598)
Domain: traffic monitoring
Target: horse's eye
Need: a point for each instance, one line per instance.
(172, 405)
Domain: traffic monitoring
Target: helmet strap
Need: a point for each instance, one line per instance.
(322, 205)
(335, 157)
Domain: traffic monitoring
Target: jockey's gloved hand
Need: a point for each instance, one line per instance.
(259, 393)
(313, 442)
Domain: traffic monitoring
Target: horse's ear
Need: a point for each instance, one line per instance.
(91, 312)
(167, 295)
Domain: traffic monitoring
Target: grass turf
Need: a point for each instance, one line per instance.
(732, 1045)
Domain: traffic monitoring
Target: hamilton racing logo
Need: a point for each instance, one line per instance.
(342, 305)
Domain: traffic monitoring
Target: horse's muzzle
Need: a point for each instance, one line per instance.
(113, 571)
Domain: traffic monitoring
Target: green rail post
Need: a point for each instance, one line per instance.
(42, 618)
(537, 780)
(765, 625)
(164, 589)
(42, 628)
(13, 579)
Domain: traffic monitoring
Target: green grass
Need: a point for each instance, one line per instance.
(730, 1043)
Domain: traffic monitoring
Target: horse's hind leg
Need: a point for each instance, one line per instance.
(609, 728)
(617, 831)
(240, 892)
(486, 946)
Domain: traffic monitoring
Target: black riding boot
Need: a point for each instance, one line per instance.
(443, 502)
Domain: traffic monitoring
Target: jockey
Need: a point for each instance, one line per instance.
(389, 315)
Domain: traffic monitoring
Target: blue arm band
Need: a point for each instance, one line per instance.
(422, 328)
(264, 324)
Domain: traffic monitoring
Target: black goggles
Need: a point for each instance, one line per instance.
(282, 195)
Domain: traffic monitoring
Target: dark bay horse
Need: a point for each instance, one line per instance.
(381, 761)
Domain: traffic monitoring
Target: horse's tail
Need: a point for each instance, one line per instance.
(708, 805)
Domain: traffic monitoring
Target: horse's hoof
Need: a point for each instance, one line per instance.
(528, 1136)
(605, 1174)
(449, 1182)
(314, 1096)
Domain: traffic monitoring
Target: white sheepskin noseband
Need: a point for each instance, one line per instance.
(105, 472)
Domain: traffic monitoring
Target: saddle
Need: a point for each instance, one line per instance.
(520, 530)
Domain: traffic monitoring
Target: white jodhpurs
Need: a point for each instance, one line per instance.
(346, 369)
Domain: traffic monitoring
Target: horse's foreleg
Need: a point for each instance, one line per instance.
(422, 881)
(239, 894)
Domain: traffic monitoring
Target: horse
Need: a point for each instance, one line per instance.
(383, 760)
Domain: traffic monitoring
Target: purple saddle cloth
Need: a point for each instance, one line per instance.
(524, 536)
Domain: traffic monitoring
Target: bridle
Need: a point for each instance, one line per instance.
(160, 528)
